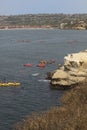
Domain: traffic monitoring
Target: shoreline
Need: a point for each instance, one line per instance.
(38, 29)
(29, 29)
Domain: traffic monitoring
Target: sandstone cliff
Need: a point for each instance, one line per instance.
(74, 71)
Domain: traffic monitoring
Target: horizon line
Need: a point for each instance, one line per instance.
(40, 14)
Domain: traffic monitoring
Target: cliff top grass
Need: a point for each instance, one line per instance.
(72, 115)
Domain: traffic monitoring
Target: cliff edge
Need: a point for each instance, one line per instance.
(73, 72)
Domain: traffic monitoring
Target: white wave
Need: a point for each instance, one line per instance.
(35, 74)
(43, 80)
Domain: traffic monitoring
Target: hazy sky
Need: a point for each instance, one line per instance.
(11, 7)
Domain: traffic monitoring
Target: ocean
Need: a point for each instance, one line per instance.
(23, 46)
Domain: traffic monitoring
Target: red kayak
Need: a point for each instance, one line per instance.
(27, 65)
(41, 65)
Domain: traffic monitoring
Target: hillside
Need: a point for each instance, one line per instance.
(60, 21)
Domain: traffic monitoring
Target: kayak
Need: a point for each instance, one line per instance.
(27, 65)
(40, 65)
(10, 84)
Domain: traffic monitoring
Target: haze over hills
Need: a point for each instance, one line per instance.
(60, 21)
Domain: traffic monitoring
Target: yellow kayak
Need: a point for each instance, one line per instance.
(10, 84)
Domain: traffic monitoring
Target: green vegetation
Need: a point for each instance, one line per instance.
(72, 115)
(60, 21)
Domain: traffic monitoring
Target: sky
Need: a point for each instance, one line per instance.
(16, 7)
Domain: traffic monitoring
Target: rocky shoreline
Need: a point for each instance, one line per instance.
(72, 73)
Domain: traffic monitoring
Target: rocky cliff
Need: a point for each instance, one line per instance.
(73, 72)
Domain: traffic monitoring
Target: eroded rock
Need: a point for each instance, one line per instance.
(74, 71)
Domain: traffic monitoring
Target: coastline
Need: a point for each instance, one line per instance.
(37, 27)
(71, 115)
(28, 27)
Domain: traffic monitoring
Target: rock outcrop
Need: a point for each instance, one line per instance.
(73, 72)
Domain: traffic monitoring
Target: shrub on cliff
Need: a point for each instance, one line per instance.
(71, 116)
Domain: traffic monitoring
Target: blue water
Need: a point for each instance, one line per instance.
(18, 47)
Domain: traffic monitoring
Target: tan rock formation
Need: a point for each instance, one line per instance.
(73, 71)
